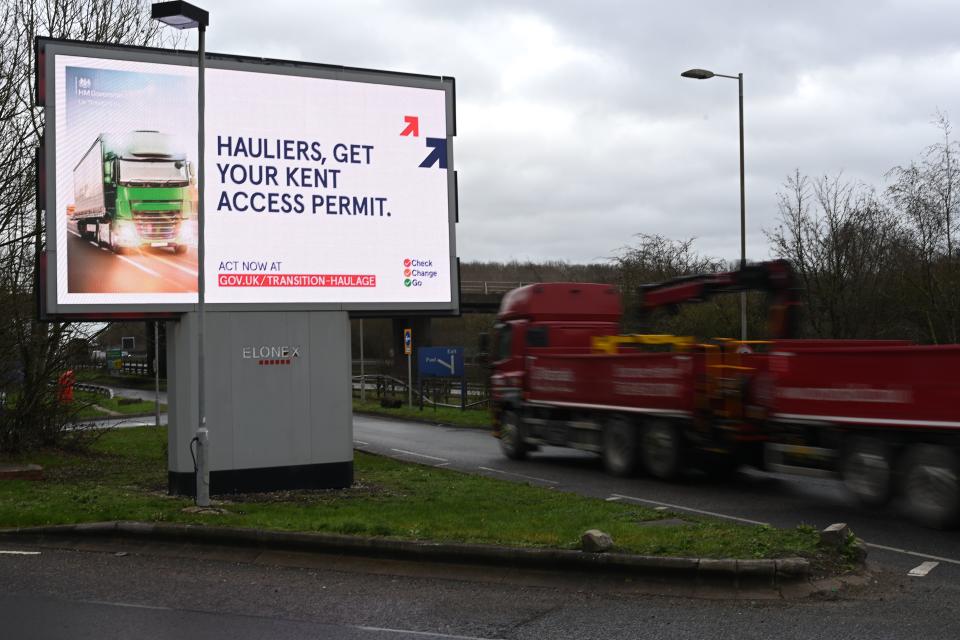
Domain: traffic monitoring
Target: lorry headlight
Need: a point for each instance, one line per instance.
(127, 235)
(188, 232)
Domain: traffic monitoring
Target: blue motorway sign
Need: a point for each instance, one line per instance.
(443, 362)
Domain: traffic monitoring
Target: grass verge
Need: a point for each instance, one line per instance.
(96, 406)
(123, 477)
(475, 418)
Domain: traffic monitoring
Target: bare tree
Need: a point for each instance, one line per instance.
(840, 239)
(925, 195)
(32, 355)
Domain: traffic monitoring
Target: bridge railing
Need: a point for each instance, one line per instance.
(487, 287)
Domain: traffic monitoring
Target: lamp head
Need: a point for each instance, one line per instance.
(180, 15)
(698, 74)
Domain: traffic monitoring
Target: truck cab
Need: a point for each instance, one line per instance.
(135, 190)
(539, 319)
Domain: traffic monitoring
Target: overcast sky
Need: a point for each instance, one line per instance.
(575, 130)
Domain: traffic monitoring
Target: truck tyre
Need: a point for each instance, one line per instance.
(620, 451)
(662, 449)
(84, 231)
(867, 470)
(511, 435)
(931, 485)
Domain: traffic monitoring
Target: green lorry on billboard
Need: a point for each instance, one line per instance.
(133, 191)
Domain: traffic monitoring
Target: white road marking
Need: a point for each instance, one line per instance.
(174, 265)
(613, 498)
(700, 511)
(420, 455)
(93, 244)
(140, 266)
(74, 232)
(19, 553)
(442, 464)
(519, 475)
(923, 569)
(912, 553)
(425, 634)
(361, 442)
(126, 604)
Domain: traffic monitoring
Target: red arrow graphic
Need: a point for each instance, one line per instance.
(413, 126)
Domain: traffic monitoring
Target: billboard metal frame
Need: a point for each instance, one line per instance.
(47, 49)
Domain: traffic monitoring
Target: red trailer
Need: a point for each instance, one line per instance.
(884, 416)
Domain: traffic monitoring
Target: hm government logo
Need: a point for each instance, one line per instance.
(84, 85)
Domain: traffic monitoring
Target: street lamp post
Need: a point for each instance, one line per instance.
(183, 15)
(703, 74)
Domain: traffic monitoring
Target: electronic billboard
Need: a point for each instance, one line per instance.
(325, 187)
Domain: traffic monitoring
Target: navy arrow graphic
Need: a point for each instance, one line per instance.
(438, 155)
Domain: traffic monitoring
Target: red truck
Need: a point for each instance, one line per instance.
(883, 416)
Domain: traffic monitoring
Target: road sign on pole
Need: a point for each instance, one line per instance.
(440, 362)
(408, 350)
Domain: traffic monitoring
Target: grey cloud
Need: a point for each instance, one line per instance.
(576, 131)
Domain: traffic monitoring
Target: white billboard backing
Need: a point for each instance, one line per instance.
(324, 187)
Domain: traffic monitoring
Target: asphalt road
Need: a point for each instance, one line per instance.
(753, 497)
(118, 589)
(95, 269)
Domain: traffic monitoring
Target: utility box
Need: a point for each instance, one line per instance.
(278, 400)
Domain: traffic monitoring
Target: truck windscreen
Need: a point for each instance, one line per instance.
(153, 172)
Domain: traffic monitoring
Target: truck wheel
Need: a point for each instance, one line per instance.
(662, 449)
(931, 485)
(511, 435)
(867, 470)
(83, 230)
(620, 451)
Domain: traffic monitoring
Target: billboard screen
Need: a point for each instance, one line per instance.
(324, 187)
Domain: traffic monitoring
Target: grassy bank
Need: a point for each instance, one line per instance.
(476, 418)
(124, 478)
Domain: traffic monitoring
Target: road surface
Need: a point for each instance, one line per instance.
(124, 589)
(95, 269)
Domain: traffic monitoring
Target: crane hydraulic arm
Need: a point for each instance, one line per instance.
(774, 277)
